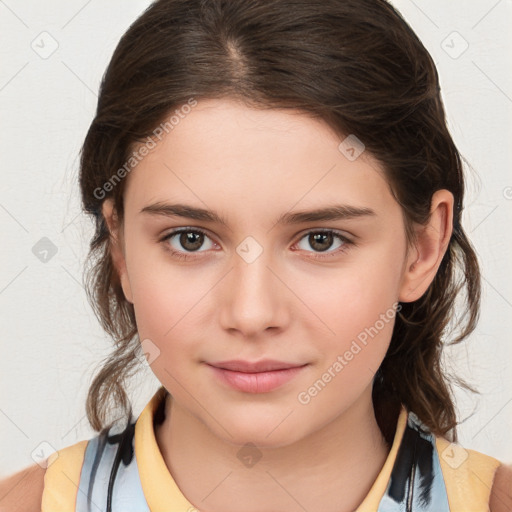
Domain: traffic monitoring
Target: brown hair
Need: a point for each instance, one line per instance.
(355, 64)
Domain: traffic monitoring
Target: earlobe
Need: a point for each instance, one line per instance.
(116, 247)
(432, 240)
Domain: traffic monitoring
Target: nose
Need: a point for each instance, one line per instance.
(253, 298)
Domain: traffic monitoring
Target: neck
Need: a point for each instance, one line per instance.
(331, 469)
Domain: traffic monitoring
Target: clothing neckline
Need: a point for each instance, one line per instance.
(160, 488)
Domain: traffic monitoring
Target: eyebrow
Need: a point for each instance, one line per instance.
(331, 213)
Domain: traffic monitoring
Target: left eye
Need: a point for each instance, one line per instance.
(321, 241)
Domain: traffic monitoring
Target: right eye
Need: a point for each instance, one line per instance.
(184, 241)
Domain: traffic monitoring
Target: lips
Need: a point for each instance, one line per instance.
(266, 365)
(255, 377)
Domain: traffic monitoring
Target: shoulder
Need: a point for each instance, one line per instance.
(469, 476)
(23, 491)
(52, 488)
(501, 492)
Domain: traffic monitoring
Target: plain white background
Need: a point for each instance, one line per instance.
(52, 59)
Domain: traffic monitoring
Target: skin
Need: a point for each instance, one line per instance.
(251, 166)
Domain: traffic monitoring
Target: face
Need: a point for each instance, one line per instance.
(261, 282)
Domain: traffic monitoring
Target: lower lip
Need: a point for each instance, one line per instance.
(261, 382)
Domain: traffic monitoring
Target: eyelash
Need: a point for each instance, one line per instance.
(319, 256)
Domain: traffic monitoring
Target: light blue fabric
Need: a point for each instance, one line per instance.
(417, 483)
(127, 495)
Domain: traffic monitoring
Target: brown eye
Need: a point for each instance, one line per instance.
(322, 241)
(191, 240)
(186, 240)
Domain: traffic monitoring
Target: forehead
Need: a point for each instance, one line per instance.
(224, 154)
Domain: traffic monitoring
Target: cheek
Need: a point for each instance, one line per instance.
(165, 323)
(355, 308)
(164, 296)
(352, 297)
(163, 311)
(360, 311)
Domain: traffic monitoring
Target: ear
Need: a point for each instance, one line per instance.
(117, 246)
(432, 239)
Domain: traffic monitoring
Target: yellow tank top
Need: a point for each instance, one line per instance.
(421, 473)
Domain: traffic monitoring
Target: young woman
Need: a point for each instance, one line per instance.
(278, 205)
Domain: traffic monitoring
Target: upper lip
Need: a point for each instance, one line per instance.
(265, 365)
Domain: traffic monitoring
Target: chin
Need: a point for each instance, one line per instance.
(260, 432)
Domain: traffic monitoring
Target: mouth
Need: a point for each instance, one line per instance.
(255, 377)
